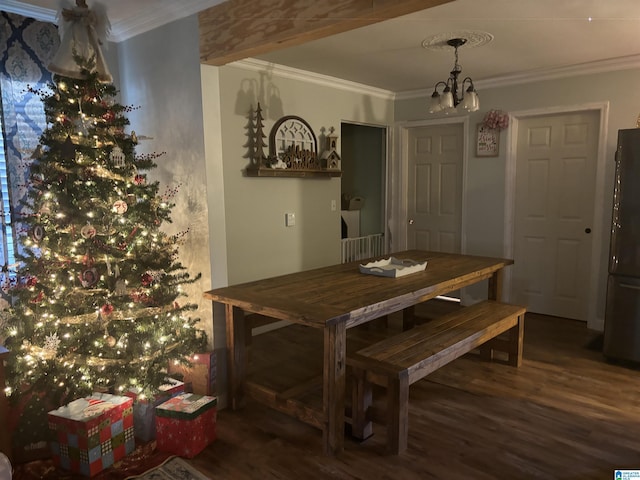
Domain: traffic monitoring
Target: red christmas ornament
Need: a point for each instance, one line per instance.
(106, 309)
(139, 179)
(38, 298)
(32, 281)
(108, 116)
(147, 279)
(140, 297)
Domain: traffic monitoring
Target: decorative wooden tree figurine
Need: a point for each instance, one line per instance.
(259, 157)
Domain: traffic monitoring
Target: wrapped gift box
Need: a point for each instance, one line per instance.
(28, 427)
(186, 424)
(91, 434)
(144, 416)
(201, 376)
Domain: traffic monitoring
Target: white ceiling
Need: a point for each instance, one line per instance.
(531, 39)
(128, 17)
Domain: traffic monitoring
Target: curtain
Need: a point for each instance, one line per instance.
(26, 47)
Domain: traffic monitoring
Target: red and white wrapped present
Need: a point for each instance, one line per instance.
(91, 434)
(186, 424)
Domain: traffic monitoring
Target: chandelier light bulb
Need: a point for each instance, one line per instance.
(454, 93)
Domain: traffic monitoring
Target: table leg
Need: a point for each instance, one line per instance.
(495, 293)
(236, 355)
(335, 342)
(495, 286)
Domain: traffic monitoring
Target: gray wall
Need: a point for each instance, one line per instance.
(160, 72)
(258, 243)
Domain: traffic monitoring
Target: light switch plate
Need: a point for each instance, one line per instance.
(289, 219)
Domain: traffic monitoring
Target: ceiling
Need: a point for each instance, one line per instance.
(128, 17)
(530, 39)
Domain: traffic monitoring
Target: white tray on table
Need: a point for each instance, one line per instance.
(393, 267)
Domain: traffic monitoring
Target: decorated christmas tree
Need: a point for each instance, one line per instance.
(96, 297)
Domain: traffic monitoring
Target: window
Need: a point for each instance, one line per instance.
(26, 47)
(7, 252)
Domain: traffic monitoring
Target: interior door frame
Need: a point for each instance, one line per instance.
(594, 321)
(384, 174)
(399, 179)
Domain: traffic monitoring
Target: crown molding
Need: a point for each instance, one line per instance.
(121, 30)
(169, 11)
(148, 20)
(317, 78)
(589, 68)
(31, 11)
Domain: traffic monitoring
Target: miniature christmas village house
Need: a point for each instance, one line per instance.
(330, 159)
(293, 149)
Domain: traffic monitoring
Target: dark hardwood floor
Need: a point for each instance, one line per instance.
(565, 414)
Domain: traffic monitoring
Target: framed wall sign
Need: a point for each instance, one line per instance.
(487, 142)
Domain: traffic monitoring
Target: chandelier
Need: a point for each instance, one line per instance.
(454, 94)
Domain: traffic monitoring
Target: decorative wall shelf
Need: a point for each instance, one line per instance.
(293, 150)
(276, 172)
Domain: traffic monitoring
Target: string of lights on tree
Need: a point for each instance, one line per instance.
(95, 297)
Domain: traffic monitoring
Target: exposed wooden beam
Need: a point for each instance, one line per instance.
(238, 29)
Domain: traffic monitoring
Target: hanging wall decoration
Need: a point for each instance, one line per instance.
(293, 150)
(488, 141)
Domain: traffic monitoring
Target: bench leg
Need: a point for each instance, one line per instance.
(408, 318)
(511, 345)
(397, 415)
(361, 400)
(516, 340)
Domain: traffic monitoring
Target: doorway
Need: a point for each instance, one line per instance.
(364, 197)
(555, 183)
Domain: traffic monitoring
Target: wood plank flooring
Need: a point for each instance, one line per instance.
(565, 414)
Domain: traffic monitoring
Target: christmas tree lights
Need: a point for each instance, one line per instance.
(96, 294)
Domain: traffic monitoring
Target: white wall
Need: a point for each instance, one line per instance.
(485, 179)
(160, 72)
(259, 245)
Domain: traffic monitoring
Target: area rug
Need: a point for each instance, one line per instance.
(174, 468)
(143, 459)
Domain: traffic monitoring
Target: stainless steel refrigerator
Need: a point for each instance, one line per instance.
(622, 316)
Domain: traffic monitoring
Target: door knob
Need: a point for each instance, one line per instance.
(587, 230)
(411, 221)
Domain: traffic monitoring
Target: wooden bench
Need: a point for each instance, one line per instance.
(400, 360)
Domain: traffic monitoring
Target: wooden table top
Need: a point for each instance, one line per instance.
(340, 293)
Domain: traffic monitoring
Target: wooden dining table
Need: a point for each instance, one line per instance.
(334, 299)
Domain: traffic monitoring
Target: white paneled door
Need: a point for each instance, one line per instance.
(435, 159)
(554, 212)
